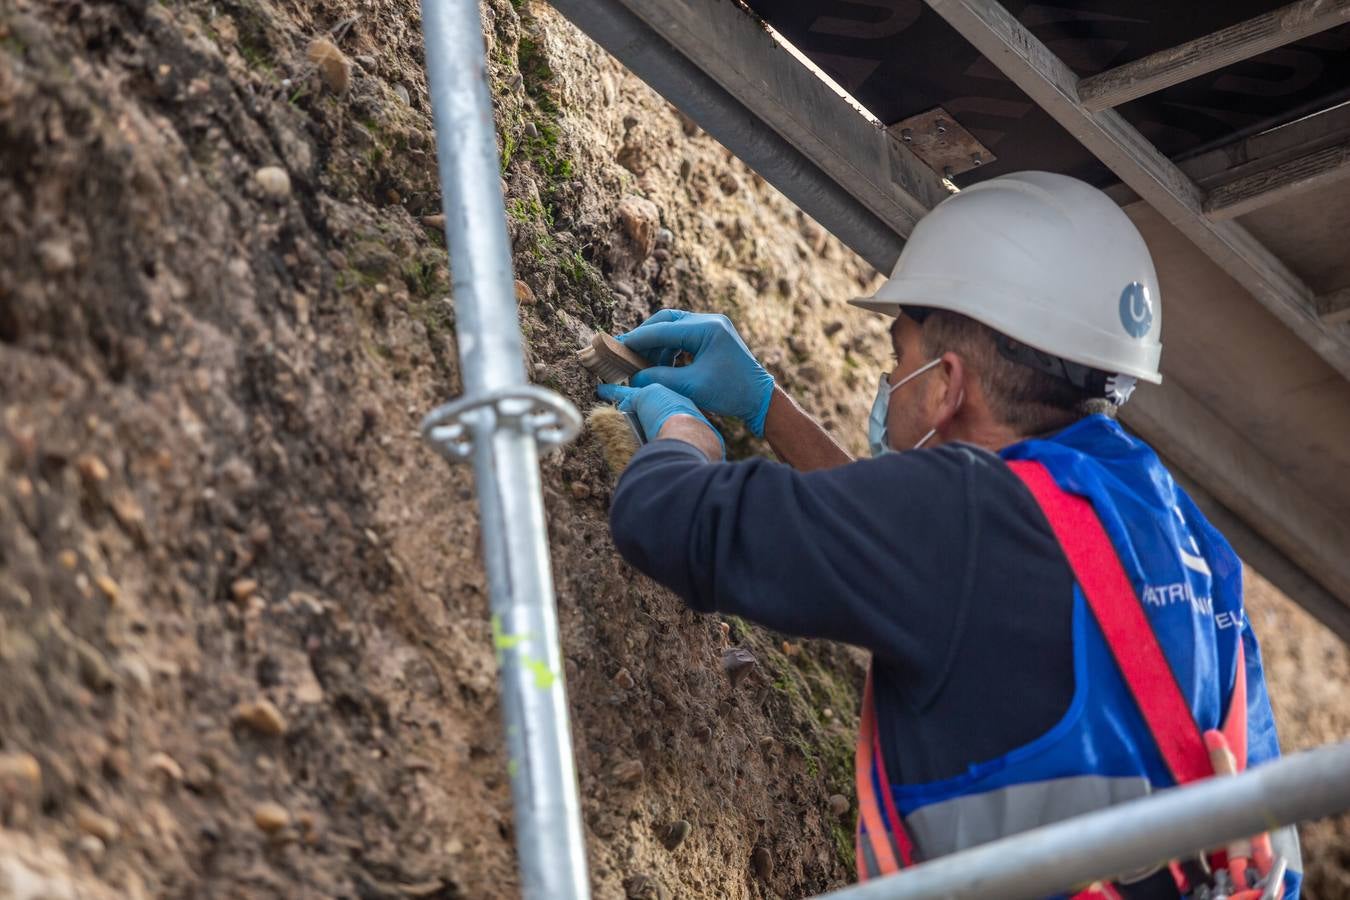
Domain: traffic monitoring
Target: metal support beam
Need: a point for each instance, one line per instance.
(500, 423)
(725, 41)
(1056, 858)
(1271, 185)
(1211, 52)
(1335, 307)
(718, 65)
(1051, 84)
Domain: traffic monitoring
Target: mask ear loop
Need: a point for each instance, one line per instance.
(915, 374)
(924, 440)
(932, 431)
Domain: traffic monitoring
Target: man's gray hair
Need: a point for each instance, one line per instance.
(1028, 401)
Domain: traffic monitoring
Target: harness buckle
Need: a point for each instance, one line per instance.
(1269, 886)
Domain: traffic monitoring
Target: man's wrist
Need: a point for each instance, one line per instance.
(780, 406)
(783, 415)
(694, 431)
(757, 419)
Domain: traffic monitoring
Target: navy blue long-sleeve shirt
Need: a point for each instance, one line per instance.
(939, 562)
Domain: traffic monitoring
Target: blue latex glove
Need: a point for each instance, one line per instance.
(654, 404)
(724, 377)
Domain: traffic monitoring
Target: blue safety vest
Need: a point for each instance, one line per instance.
(1189, 582)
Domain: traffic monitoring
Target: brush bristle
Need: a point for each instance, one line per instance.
(617, 439)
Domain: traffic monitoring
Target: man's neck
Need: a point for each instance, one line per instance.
(992, 436)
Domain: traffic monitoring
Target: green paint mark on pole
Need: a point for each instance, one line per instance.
(544, 677)
(503, 641)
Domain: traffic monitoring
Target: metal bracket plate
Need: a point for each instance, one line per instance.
(941, 142)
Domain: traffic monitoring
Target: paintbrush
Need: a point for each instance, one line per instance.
(620, 433)
(610, 360)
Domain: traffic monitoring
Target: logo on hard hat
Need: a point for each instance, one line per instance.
(1136, 309)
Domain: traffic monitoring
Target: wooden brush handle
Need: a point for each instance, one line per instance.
(607, 347)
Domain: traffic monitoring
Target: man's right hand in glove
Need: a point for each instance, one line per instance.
(724, 377)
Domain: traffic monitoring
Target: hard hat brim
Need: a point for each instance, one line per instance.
(872, 304)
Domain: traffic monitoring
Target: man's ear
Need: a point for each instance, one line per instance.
(955, 389)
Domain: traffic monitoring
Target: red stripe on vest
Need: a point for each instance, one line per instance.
(1123, 621)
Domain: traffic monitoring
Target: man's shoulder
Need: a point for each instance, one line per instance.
(958, 477)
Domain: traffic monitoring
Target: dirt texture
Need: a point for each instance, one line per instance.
(244, 636)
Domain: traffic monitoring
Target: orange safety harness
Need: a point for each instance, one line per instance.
(1189, 755)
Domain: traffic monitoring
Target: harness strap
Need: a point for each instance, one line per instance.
(879, 850)
(1235, 720)
(1117, 609)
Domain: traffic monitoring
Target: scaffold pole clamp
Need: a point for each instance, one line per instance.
(528, 409)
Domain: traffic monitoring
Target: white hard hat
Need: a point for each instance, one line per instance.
(1045, 259)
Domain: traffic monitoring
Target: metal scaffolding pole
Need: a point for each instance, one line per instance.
(500, 423)
(1054, 858)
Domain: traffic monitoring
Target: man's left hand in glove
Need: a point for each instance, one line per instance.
(666, 414)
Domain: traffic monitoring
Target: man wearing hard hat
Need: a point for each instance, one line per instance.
(1054, 626)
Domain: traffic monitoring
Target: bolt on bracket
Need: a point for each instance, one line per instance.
(941, 142)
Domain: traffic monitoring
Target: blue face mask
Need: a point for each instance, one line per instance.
(876, 421)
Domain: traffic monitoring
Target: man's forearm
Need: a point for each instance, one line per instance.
(798, 439)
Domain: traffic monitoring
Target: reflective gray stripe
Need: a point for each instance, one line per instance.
(962, 822)
(895, 848)
(870, 867)
(869, 853)
(1285, 843)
